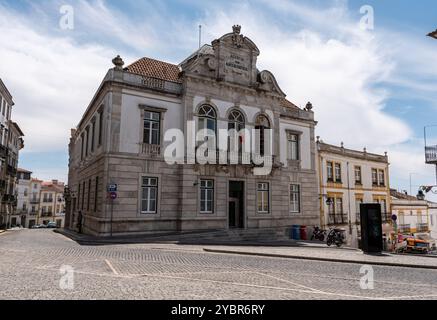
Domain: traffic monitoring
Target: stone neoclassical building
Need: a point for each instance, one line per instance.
(121, 140)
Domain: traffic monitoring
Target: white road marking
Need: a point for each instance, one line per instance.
(111, 267)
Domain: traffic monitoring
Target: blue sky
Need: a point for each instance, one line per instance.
(370, 88)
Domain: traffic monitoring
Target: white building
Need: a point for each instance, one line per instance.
(22, 210)
(348, 178)
(412, 214)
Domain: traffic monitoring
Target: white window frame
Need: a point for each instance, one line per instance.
(261, 188)
(293, 139)
(152, 183)
(298, 199)
(207, 188)
(154, 117)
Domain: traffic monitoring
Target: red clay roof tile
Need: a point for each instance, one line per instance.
(156, 69)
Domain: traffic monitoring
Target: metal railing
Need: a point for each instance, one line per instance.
(151, 149)
(422, 227)
(404, 228)
(339, 218)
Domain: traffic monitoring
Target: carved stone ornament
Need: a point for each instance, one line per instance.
(212, 63)
(265, 77)
(237, 38)
(118, 62)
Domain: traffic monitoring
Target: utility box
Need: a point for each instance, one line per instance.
(371, 228)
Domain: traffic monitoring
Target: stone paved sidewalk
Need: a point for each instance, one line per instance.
(331, 254)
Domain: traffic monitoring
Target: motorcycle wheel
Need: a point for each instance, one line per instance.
(321, 237)
(338, 244)
(329, 243)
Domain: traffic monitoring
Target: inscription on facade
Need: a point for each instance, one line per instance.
(237, 63)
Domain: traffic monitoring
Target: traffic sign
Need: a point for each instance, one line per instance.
(394, 217)
(113, 195)
(112, 187)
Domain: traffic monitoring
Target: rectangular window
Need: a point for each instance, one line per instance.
(152, 127)
(83, 195)
(89, 195)
(100, 127)
(329, 170)
(263, 197)
(375, 177)
(78, 196)
(337, 172)
(93, 130)
(294, 198)
(293, 146)
(335, 210)
(381, 178)
(358, 202)
(96, 193)
(149, 195)
(358, 179)
(87, 140)
(82, 138)
(207, 196)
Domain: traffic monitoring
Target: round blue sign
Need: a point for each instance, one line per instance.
(394, 217)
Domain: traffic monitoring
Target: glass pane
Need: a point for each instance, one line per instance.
(155, 137)
(152, 193)
(144, 205)
(202, 206)
(152, 206)
(155, 116)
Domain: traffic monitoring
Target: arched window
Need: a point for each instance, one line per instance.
(236, 120)
(207, 118)
(261, 124)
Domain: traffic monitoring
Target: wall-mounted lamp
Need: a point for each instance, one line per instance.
(328, 199)
(195, 183)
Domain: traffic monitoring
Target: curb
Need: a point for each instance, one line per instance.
(273, 255)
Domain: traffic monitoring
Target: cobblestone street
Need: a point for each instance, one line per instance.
(30, 262)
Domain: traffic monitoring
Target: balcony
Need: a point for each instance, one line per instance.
(12, 171)
(151, 150)
(431, 154)
(34, 201)
(46, 214)
(422, 227)
(8, 198)
(234, 158)
(404, 228)
(3, 151)
(49, 200)
(340, 218)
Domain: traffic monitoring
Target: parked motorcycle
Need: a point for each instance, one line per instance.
(335, 236)
(318, 234)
